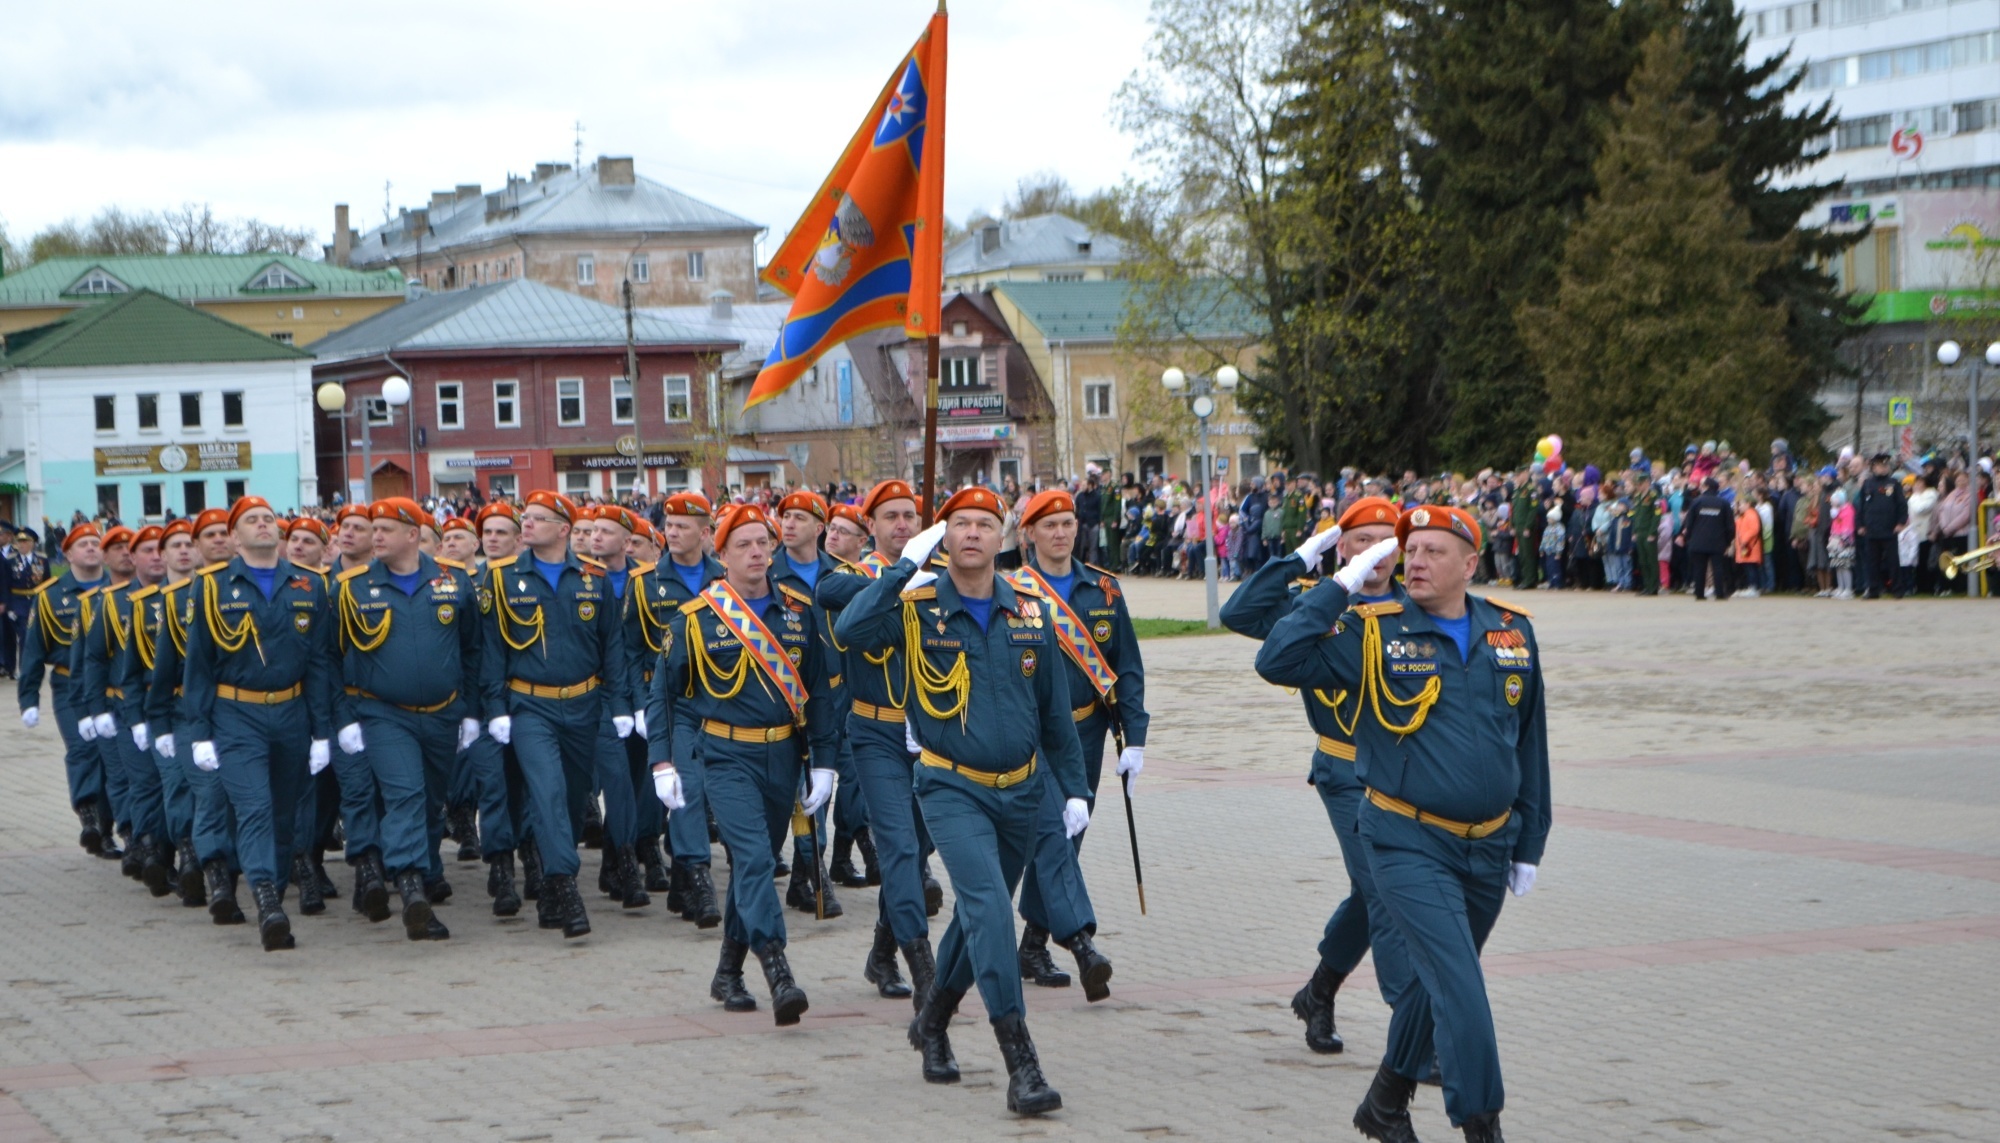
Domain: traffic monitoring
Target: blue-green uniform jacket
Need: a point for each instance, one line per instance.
(879, 677)
(1018, 706)
(104, 633)
(1098, 602)
(177, 619)
(578, 638)
(290, 641)
(684, 692)
(652, 597)
(132, 671)
(430, 653)
(1482, 749)
(829, 649)
(53, 625)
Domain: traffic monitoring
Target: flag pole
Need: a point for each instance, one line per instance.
(930, 428)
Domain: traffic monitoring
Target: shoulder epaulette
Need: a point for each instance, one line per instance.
(350, 573)
(940, 560)
(149, 589)
(1513, 607)
(1028, 587)
(691, 606)
(928, 591)
(504, 561)
(1371, 610)
(88, 592)
(795, 593)
(47, 583)
(442, 562)
(590, 563)
(320, 572)
(214, 567)
(1099, 570)
(643, 568)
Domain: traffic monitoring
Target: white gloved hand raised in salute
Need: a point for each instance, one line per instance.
(921, 545)
(1316, 546)
(1358, 569)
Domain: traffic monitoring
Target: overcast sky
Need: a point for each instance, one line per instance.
(281, 110)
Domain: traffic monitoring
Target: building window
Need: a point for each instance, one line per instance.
(621, 401)
(960, 372)
(506, 404)
(569, 401)
(232, 410)
(844, 381)
(673, 480)
(697, 265)
(107, 500)
(576, 484)
(152, 501)
(1982, 115)
(1063, 276)
(234, 490)
(276, 277)
(283, 336)
(149, 410)
(451, 405)
(586, 270)
(1096, 400)
(624, 481)
(1249, 466)
(107, 414)
(642, 268)
(677, 398)
(1010, 469)
(190, 410)
(96, 282)
(503, 485)
(378, 411)
(1872, 131)
(194, 497)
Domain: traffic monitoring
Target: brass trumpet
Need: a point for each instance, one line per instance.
(1976, 560)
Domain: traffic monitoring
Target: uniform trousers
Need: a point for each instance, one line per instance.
(687, 827)
(214, 826)
(1052, 890)
(555, 741)
(1437, 897)
(83, 763)
(176, 793)
(117, 782)
(486, 761)
(613, 775)
(1345, 941)
(144, 809)
(883, 764)
(360, 802)
(262, 750)
(985, 836)
(639, 772)
(753, 787)
(850, 805)
(411, 756)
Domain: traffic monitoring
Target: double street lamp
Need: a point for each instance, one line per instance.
(332, 400)
(1198, 390)
(1948, 354)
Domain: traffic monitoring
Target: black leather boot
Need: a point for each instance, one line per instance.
(933, 892)
(1483, 1128)
(221, 893)
(607, 872)
(677, 890)
(272, 925)
(416, 907)
(795, 893)
(371, 887)
(930, 1033)
(880, 970)
(194, 889)
(593, 824)
(1314, 1005)
(1028, 1091)
(788, 1000)
(1384, 1114)
(548, 911)
(1036, 963)
(327, 889)
(841, 870)
(110, 852)
(631, 880)
(310, 901)
(923, 969)
(813, 883)
(157, 867)
(90, 828)
(1092, 967)
(728, 983)
(500, 885)
(865, 842)
(465, 828)
(655, 861)
(133, 864)
(437, 890)
(701, 906)
(575, 920)
(531, 869)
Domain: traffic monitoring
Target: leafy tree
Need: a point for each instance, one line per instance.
(1046, 192)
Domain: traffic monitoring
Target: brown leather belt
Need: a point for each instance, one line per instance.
(878, 713)
(260, 698)
(1472, 831)
(357, 692)
(746, 733)
(996, 780)
(520, 686)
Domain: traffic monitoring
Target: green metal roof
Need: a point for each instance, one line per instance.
(1093, 311)
(191, 277)
(140, 328)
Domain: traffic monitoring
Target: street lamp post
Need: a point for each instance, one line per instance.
(1202, 404)
(1948, 354)
(332, 400)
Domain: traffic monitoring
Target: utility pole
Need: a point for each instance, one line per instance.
(644, 483)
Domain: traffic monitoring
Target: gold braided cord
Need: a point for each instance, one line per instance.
(114, 630)
(175, 630)
(533, 625)
(354, 626)
(882, 659)
(706, 668)
(142, 640)
(53, 630)
(647, 624)
(86, 616)
(928, 679)
(230, 639)
(1374, 686)
(1333, 704)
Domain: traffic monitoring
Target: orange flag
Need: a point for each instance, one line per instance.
(869, 250)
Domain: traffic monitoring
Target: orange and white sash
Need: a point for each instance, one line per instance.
(872, 564)
(1071, 632)
(758, 642)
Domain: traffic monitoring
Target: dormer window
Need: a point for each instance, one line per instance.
(97, 282)
(277, 277)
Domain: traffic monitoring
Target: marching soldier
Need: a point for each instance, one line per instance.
(677, 579)
(101, 637)
(744, 675)
(551, 666)
(974, 631)
(644, 552)
(112, 678)
(847, 543)
(307, 542)
(458, 541)
(495, 772)
(1452, 752)
(52, 630)
(799, 563)
(360, 800)
(410, 644)
(610, 536)
(1101, 655)
(151, 714)
(1266, 597)
(258, 697)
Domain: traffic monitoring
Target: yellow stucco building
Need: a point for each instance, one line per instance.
(282, 296)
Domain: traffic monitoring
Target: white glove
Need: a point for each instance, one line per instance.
(1521, 878)
(140, 738)
(31, 717)
(165, 745)
(204, 756)
(317, 755)
(921, 545)
(819, 789)
(1076, 816)
(87, 726)
(1358, 569)
(621, 725)
(1316, 547)
(1131, 760)
(639, 723)
(350, 739)
(107, 726)
(501, 729)
(468, 732)
(910, 738)
(667, 785)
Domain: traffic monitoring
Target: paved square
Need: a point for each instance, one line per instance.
(1770, 911)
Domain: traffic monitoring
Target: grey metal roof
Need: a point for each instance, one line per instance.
(559, 202)
(740, 455)
(756, 326)
(1094, 311)
(1044, 240)
(520, 314)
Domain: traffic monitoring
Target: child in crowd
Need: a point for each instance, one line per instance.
(1553, 538)
(1840, 545)
(1618, 546)
(1749, 548)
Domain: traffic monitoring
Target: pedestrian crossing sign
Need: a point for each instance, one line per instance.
(1899, 410)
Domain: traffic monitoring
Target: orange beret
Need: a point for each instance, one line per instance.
(351, 508)
(735, 517)
(884, 492)
(851, 514)
(982, 499)
(805, 500)
(246, 504)
(178, 528)
(150, 534)
(1457, 521)
(501, 509)
(688, 504)
(645, 531)
(613, 514)
(118, 535)
(209, 519)
(1046, 503)
(311, 524)
(561, 505)
(1369, 510)
(400, 508)
(459, 524)
(80, 532)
